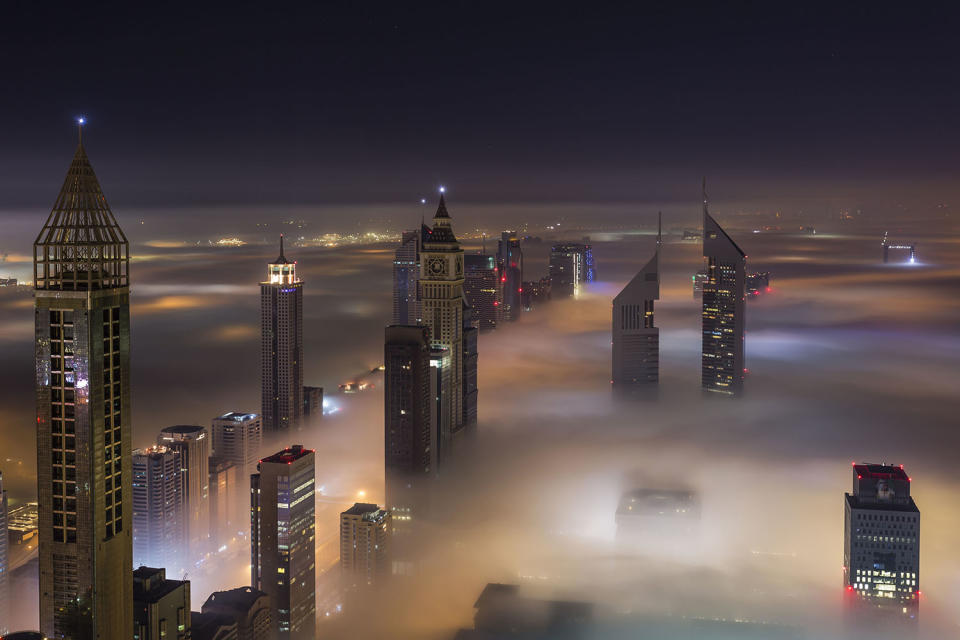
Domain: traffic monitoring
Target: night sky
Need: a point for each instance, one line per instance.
(351, 102)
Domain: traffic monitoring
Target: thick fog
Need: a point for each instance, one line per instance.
(849, 359)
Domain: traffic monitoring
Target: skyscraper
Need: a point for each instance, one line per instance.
(409, 451)
(881, 541)
(470, 361)
(161, 607)
(227, 493)
(636, 341)
(406, 273)
(159, 509)
(281, 349)
(194, 447)
(282, 534)
(571, 267)
(82, 312)
(248, 608)
(441, 288)
(510, 265)
(483, 290)
(237, 437)
(441, 392)
(724, 295)
(364, 544)
(4, 562)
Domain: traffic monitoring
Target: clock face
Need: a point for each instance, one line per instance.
(437, 266)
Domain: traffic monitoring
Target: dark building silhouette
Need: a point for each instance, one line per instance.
(881, 542)
(483, 289)
(312, 404)
(470, 359)
(571, 267)
(4, 562)
(212, 626)
(406, 274)
(510, 265)
(248, 608)
(84, 478)
(723, 309)
(161, 607)
(281, 348)
(502, 611)
(282, 532)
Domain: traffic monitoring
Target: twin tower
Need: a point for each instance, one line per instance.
(636, 340)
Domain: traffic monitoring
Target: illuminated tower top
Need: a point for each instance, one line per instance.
(442, 233)
(80, 247)
(281, 270)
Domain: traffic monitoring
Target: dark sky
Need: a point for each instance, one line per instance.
(373, 102)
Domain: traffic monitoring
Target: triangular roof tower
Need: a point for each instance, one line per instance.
(442, 230)
(81, 247)
(715, 239)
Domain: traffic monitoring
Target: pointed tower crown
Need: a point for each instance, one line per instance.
(442, 228)
(81, 247)
(282, 271)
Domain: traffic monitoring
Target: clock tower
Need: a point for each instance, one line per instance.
(441, 292)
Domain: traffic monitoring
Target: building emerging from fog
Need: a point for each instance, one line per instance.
(237, 437)
(161, 607)
(471, 358)
(636, 341)
(194, 447)
(364, 544)
(282, 540)
(510, 266)
(247, 608)
(723, 309)
(881, 541)
(441, 289)
(228, 488)
(4, 562)
(159, 508)
(81, 263)
(281, 347)
(571, 267)
(406, 274)
(483, 289)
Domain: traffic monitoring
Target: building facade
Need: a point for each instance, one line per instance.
(510, 266)
(471, 357)
(159, 509)
(441, 289)
(312, 404)
(483, 289)
(248, 608)
(84, 474)
(281, 345)
(282, 539)
(194, 447)
(228, 490)
(723, 310)
(161, 607)
(406, 274)
(237, 437)
(364, 544)
(571, 268)
(4, 562)
(881, 542)
(636, 339)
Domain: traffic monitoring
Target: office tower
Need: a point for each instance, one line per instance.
(470, 357)
(757, 283)
(312, 404)
(441, 391)
(409, 451)
(248, 608)
(82, 348)
(441, 288)
(536, 292)
(636, 341)
(194, 447)
(881, 541)
(159, 508)
(226, 496)
(281, 347)
(161, 607)
(406, 274)
(571, 267)
(212, 626)
(722, 363)
(364, 544)
(483, 290)
(282, 562)
(237, 437)
(4, 563)
(510, 264)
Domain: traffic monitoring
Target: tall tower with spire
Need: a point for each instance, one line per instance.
(81, 262)
(724, 309)
(281, 345)
(636, 341)
(442, 302)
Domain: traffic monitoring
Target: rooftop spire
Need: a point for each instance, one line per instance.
(441, 208)
(281, 259)
(659, 229)
(80, 122)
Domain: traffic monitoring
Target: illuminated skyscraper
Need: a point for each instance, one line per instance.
(483, 290)
(724, 297)
(84, 479)
(194, 447)
(571, 267)
(364, 544)
(4, 562)
(406, 273)
(237, 437)
(282, 539)
(881, 541)
(159, 509)
(510, 266)
(281, 348)
(636, 341)
(441, 288)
